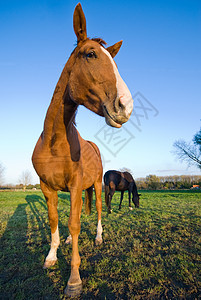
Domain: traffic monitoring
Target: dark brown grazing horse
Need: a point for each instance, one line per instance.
(120, 181)
(62, 159)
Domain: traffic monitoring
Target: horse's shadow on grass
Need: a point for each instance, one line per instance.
(22, 275)
(24, 246)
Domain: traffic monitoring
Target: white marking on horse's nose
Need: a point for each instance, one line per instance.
(123, 93)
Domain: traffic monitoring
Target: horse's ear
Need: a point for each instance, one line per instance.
(113, 50)
(79, 23)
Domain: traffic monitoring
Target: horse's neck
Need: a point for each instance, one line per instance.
(134, 189)
(61, 109)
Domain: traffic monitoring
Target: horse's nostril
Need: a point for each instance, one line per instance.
(119, 105)
(122, 107)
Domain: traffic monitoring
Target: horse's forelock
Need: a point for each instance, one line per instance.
(99, 41)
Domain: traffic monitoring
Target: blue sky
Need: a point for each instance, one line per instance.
(159, 60)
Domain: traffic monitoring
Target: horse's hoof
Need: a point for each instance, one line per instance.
(49, 263)
(73, 290)
(68, 241)
(130, 208)
(98, 242)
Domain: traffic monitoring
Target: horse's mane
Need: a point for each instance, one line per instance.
(100, 41)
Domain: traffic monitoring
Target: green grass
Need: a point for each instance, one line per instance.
(153, 252)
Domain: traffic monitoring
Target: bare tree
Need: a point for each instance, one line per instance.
(2, 169)
(197, 139)
(25, 178)
(188, 152)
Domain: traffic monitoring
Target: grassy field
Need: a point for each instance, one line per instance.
(153, 252)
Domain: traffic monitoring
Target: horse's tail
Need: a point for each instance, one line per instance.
(107, 190)
(88, 200)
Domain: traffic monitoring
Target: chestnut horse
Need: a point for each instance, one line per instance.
(120, 181)
(62, 159)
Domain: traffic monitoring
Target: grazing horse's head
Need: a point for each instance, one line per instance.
(94, 78)
(136, 200)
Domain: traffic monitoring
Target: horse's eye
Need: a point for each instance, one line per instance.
(91, 54)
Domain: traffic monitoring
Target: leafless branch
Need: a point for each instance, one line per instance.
(187, 152)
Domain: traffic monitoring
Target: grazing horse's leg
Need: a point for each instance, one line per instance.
(122, 195)
(69, 239)
(110, 200)
(111, 193)
(98, 191)
(129, 196)
(52, 201)
(74, 286)
(107, 191)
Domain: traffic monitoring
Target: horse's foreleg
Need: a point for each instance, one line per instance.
(52, 201)
(129, 196)
(122, 195)
(74, 286)
(98, 191)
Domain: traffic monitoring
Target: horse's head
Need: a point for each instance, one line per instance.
(136, 200)
(94, 78)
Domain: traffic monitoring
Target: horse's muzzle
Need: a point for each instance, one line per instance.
(119, 113)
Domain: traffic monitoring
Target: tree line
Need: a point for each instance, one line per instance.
(150, 182)
(153, 182)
